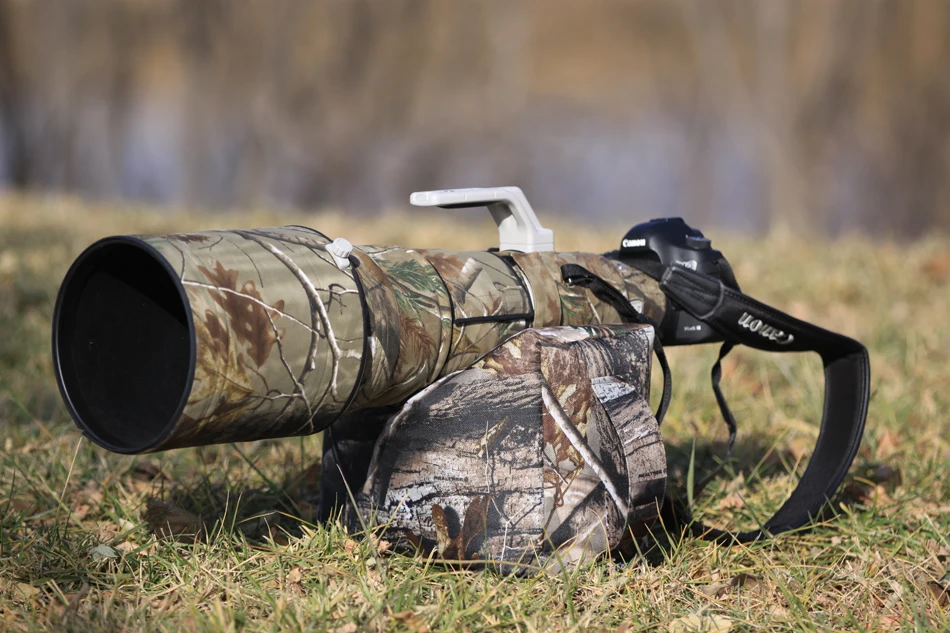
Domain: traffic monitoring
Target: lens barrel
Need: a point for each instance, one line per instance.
(168, 341)
(181, 340)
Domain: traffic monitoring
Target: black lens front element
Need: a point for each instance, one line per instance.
(123, 345)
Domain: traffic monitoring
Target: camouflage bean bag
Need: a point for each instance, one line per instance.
(544, 452)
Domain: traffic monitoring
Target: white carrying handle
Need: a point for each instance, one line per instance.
(518, 226)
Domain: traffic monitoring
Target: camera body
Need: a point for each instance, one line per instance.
(672, 242)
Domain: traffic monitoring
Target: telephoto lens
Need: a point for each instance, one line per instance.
(181, 340)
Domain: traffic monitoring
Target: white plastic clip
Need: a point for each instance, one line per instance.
(518, 226)
(340, 250)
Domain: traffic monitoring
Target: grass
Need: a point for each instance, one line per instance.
(80, 549)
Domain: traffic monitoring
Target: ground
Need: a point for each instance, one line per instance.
(84, 534)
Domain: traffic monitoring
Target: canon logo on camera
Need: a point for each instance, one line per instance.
(763, 329)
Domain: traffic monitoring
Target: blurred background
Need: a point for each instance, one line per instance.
(820, 116)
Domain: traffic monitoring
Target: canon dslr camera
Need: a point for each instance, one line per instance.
(672, 242)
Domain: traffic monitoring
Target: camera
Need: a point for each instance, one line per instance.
(672, 242)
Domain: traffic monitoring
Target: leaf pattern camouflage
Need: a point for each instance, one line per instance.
(286, 341)
(410, 315)
(642, 291)
(278, 347)
(544, 451)
(487, 297)
(432, 312)
(557, 303)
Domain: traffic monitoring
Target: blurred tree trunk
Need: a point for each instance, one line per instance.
(13, 151)
(821, 115)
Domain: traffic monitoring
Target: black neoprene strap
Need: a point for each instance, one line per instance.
(741, 319)
(727, 417)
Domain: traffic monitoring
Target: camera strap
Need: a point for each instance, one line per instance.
(740, 319)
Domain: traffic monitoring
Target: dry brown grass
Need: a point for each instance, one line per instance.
(77, 552)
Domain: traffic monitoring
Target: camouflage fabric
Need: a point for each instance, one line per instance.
(410, 317)
(540, 277)
(432, 312)
(286, 341)
(643, 292)
(556, 303)
(487, 300)
(278, 349)
(544, 451)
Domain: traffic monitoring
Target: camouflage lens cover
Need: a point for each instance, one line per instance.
(279, 333)
(544, 452)
(241, 335)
